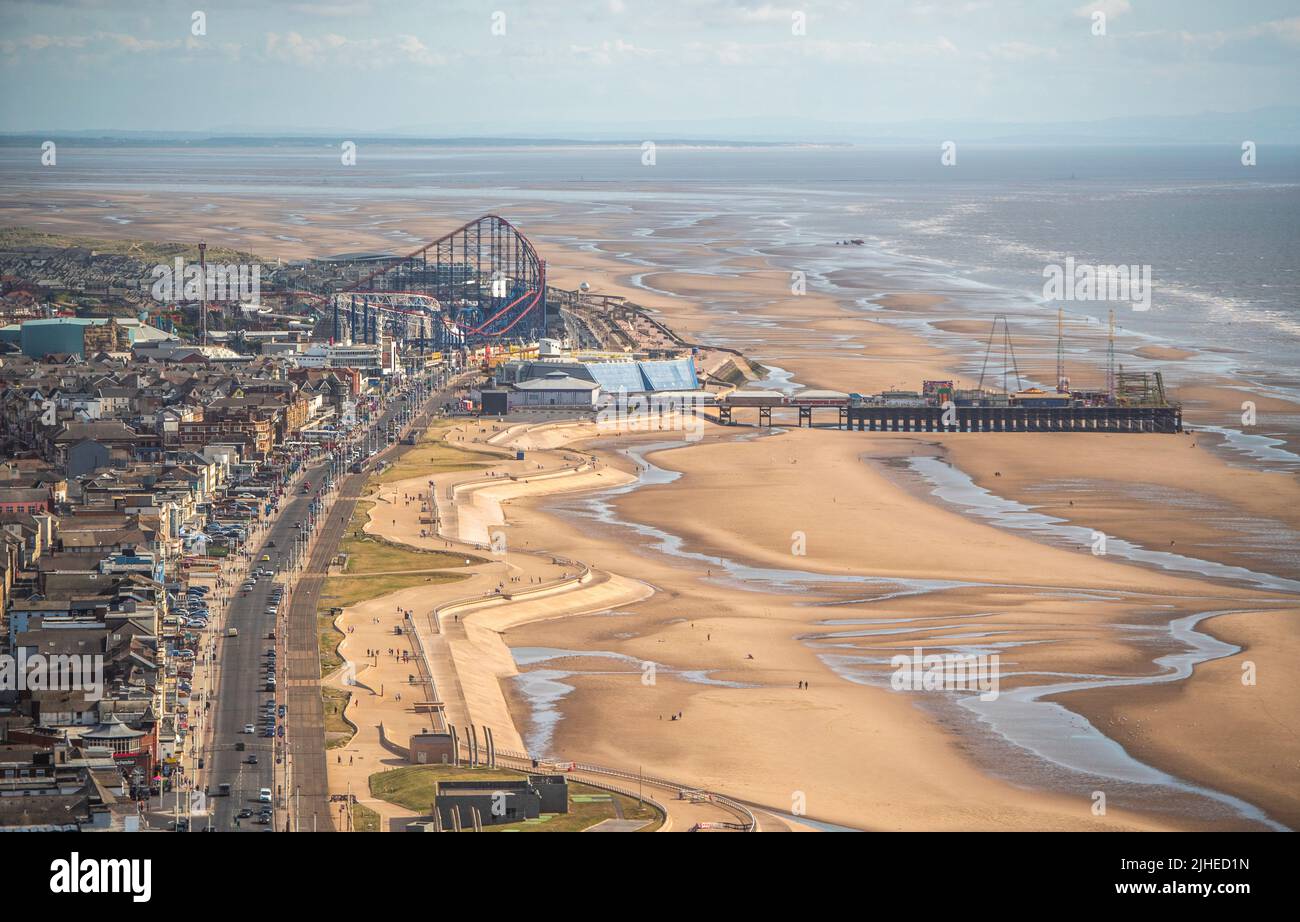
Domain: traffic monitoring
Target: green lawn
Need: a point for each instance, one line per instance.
(342, 591)
(360, 516)
(434, 456)
(364, 819)
(338, 732)
(368, 554)
(414, 788)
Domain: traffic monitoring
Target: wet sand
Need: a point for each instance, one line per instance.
(1060, 610)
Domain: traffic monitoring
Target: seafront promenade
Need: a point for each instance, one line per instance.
(446, 666)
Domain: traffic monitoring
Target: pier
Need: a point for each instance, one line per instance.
(1016, 419)
(1159, 419)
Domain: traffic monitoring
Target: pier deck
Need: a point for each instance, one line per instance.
(985, 419)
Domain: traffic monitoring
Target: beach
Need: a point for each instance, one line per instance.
(748, 563)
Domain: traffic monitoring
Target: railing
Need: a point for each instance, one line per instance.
(748, 823)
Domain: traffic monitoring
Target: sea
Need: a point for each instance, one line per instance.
(1219, 238)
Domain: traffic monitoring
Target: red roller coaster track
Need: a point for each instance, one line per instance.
(488, 248)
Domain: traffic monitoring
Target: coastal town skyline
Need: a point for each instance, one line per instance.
(696, 417)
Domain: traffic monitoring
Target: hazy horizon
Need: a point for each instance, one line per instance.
(821, 71)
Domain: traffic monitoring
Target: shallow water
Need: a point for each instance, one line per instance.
(956, 487)
(1049, 732)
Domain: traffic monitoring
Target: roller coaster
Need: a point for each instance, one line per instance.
(483, 282)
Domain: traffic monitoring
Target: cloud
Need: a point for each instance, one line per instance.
(846, 52)
(606, 53)
(1275, 41)
(332, 49)
(764, 13)
(1020, 51)
(1111, 8)
(331, 10)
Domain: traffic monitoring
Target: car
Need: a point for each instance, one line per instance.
(249, 728)
(269, 733)
(244, 814)
(270, 683)
(266, 557)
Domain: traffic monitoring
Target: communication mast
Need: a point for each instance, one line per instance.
(1062, 382)
(203, 289)
(1110, 359)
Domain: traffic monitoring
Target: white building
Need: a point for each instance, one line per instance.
(555, 390)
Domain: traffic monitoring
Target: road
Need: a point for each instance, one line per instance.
(309, 799)
(241, 691)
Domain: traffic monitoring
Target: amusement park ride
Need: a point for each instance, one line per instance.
(483, 283)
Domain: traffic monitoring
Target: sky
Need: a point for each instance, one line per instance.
(625, 68)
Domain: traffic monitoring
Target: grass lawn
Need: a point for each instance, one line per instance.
(368, 554)
(342, 591)
(338, 732)
(360, 515)
(434, 456)
(364, 819)
(414, 788)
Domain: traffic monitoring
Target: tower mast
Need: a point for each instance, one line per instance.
(1110, 360)
(1062, 382)
(203, 289)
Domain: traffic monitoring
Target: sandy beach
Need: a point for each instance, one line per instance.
(749, 563)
